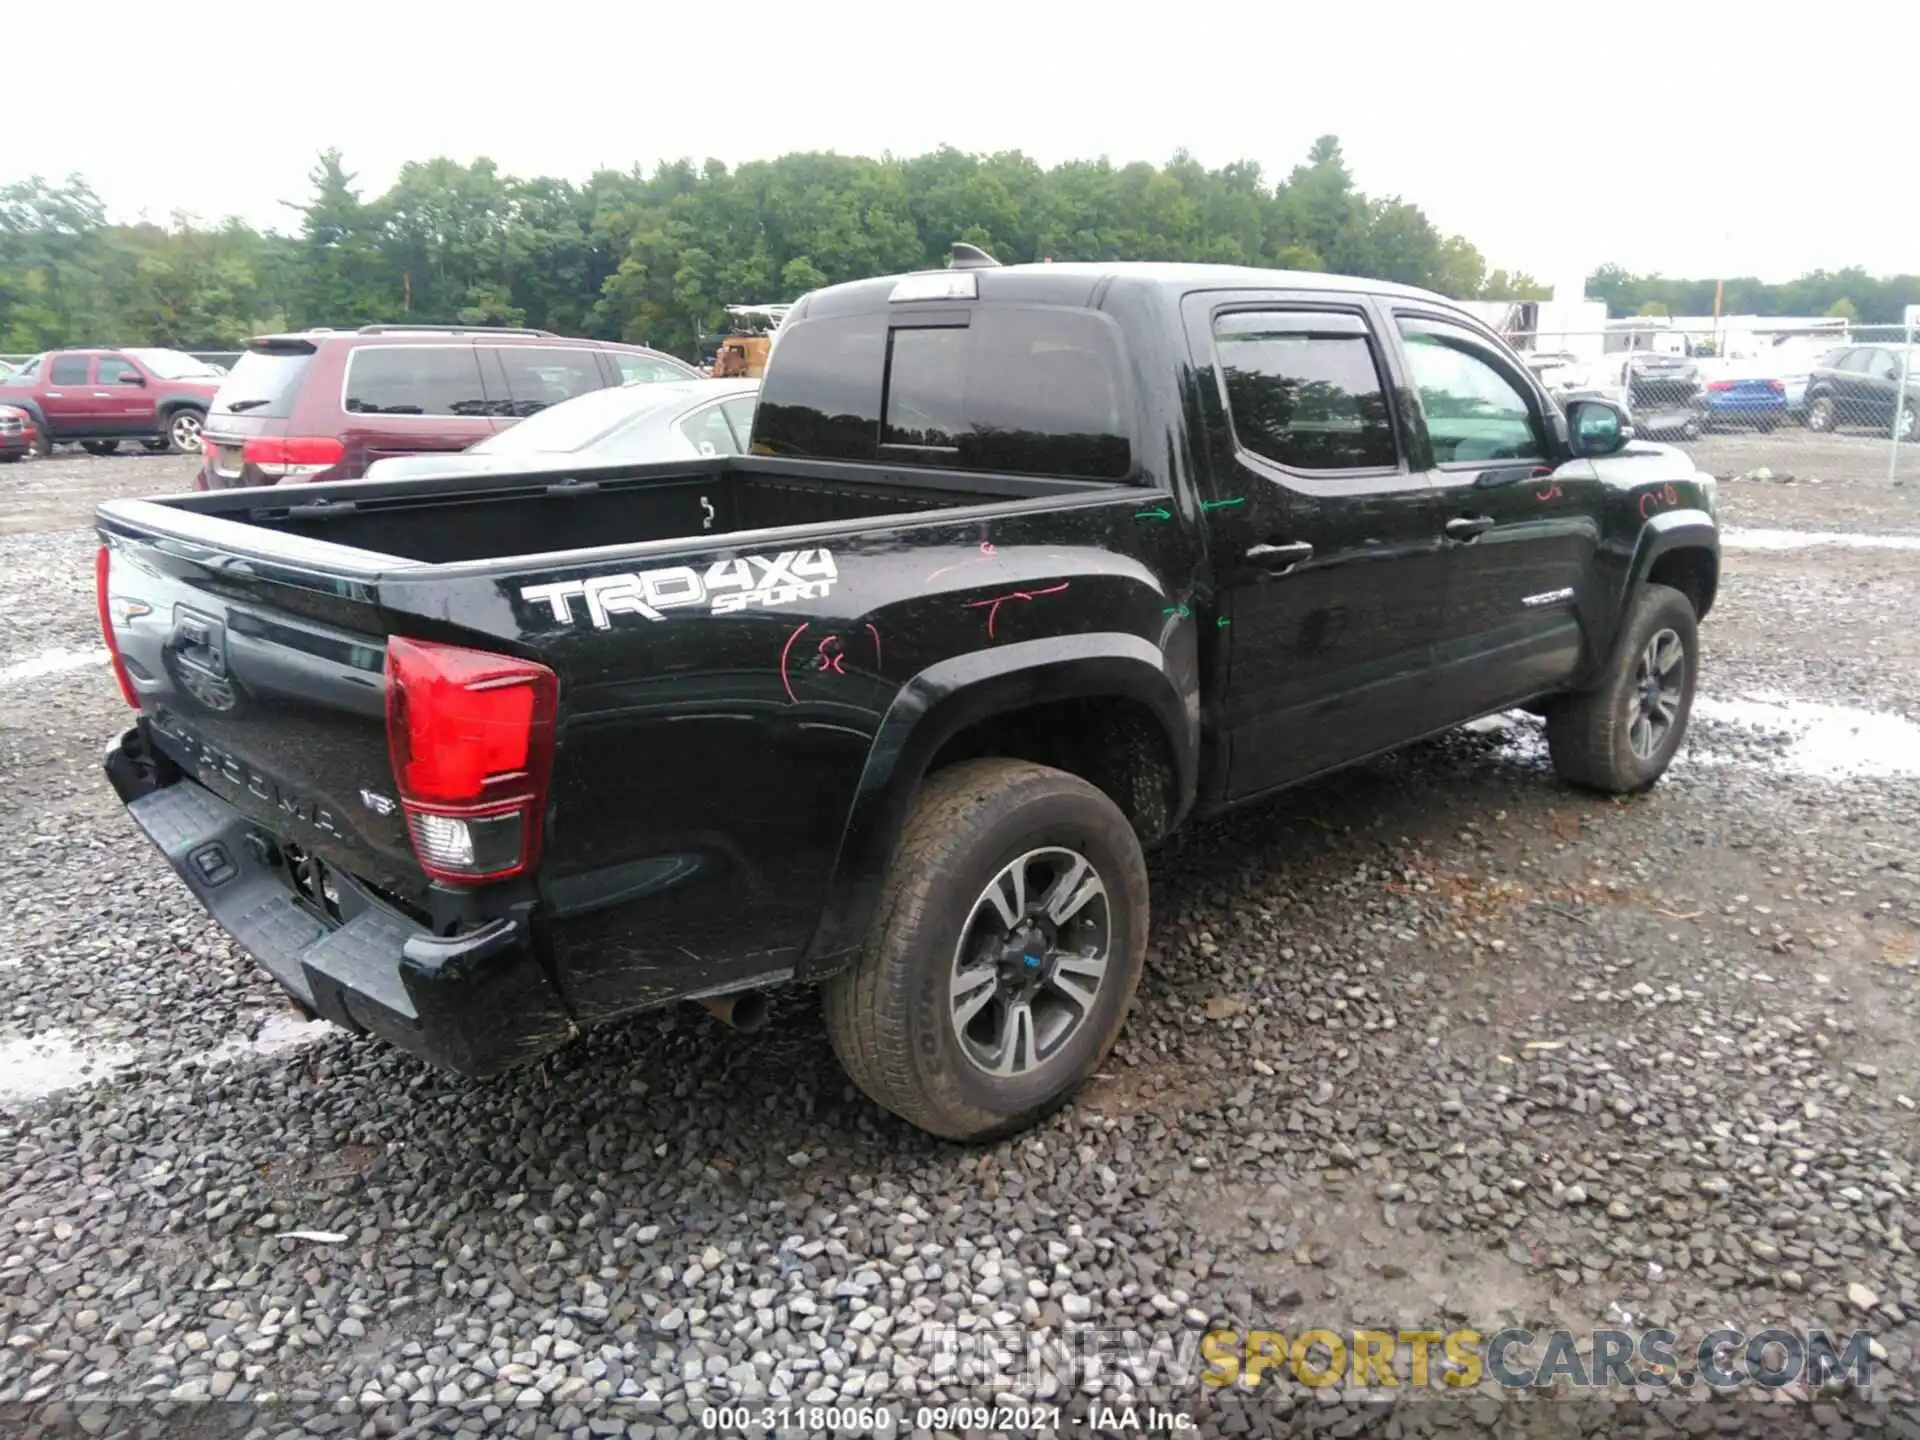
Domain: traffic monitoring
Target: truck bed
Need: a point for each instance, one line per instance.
(494, 517)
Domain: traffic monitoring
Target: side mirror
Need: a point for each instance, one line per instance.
(132, 377)
(1597, 428)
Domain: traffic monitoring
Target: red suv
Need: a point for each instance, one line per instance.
(326, 404)
(101, 397)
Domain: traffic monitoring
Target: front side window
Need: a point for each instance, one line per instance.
(175, 365)
(415, 380)
(68, 370)
(645, 370)
(1023, 391)
(115, 371)
(537, 378)
(1304, 389)
(1474, 411)
(587, 422)
(1857, 362)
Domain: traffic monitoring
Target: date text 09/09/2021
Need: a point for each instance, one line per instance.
(896, 1418)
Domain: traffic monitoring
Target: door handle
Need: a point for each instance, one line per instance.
(1280, 558)
(1469, 527)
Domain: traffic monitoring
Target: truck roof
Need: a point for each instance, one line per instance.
(1079, 282)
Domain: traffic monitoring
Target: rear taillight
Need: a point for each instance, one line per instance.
(102, 564)
(292, 457)
(1719, 385)
(1779, 386)
(471, 738)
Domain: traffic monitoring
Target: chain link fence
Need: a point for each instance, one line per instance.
(1839, 402)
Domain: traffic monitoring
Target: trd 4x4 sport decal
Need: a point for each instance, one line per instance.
(726, 587)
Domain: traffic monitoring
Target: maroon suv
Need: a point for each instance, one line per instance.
(326, 404)
(97, 398)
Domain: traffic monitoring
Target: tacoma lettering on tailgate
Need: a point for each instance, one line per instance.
(726, 586)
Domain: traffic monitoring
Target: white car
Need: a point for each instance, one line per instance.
(638, 422)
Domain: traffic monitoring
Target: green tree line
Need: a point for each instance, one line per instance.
(656, 257)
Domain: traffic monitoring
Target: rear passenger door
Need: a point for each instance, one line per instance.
(1323, 538)
(67, 399)
(1519, 518)
(411, 400)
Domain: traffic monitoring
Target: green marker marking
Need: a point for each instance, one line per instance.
(1155, 514)
(1223, 504)
(1222, 623)
(1179, 610)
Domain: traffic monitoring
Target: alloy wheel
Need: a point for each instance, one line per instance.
(1658, 685)
(1031, 960)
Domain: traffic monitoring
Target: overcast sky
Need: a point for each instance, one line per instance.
(1688, 138)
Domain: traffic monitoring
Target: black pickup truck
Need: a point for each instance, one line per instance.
(1027, 566)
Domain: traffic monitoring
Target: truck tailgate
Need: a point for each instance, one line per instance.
(264, 680)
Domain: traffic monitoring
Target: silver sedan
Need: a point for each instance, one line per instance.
(639, 422)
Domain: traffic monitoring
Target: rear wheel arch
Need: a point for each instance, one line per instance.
(1103, 708)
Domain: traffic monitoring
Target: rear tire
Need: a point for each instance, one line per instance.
(1619, 737)
(100, 447)
(947, 1055)
(11, 459)
(183, 432)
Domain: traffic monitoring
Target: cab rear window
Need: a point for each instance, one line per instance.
(1024, 391)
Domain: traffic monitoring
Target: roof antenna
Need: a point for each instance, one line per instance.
(970, 257)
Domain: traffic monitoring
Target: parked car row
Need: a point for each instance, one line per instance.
(324, 405)
(327, 405)
(1672, 395)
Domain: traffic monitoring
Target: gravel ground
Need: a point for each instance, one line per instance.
(1435, 1042)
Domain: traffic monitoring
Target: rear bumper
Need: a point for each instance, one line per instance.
(475, 1003)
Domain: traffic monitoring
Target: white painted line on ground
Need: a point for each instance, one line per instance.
(1809, 539)
(53, 662)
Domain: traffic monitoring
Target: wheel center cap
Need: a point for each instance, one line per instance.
(1024, 957)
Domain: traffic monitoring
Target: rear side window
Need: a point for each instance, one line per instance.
(1304, 389)
(537, 378)
(1021, 391)
(68, 370)
(415, 380)
(263, 383)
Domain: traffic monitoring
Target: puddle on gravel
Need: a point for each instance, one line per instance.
(1820, 741)
(1827, 742)
(1808, 539)
(53, 662)
(45, 1064)
(281, 1033)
